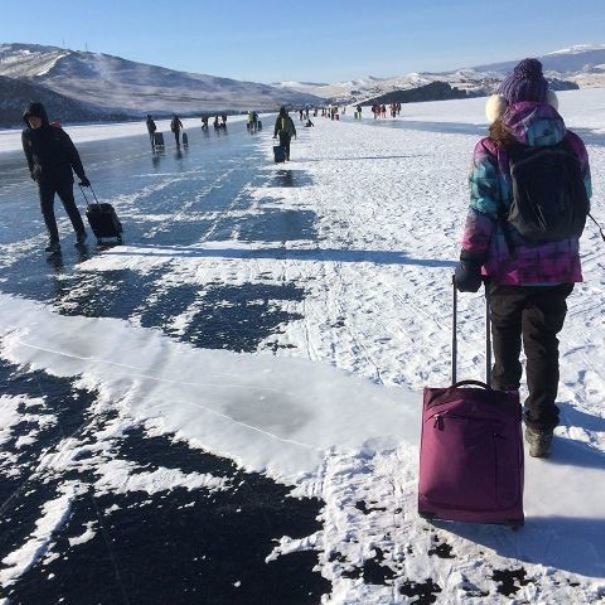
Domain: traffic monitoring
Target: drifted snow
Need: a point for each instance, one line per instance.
(268, 414)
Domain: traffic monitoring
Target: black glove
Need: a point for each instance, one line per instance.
(468, 276)
(84, 182)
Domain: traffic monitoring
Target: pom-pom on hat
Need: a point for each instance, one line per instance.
(526, 83)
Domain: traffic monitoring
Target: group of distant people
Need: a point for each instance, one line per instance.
(380, 111)
(157, 139)
(219, 122)
(176, 127)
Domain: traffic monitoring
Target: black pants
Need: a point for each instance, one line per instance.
(65, 191)
(536, 314)
(284, 141)
(177, 137)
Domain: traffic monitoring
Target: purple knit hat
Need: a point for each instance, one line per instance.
(526, 83)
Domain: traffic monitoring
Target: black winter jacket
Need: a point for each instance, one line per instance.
(284, 124)
(50, 153)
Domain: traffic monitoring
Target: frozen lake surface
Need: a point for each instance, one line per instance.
(225, 409)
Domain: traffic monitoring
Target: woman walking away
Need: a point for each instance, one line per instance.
(530, 190)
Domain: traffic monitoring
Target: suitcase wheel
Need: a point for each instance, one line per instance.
(515, 524)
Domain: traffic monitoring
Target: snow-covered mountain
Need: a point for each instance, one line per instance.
(15, 94)
(338, 89)
(116, 84)
(583, 64)
(568, 62)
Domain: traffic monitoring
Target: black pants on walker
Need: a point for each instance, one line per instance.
(65, 191)
(284, 141)
(536, 315)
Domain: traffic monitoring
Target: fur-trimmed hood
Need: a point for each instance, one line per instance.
(497, 105)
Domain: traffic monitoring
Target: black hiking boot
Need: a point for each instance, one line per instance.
(540, 442)
(53, 247)
(81, 239)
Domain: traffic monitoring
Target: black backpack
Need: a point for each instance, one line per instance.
(549, 199)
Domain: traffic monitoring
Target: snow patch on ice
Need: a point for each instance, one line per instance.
(118, 477)
(86, 536)
(54, 514)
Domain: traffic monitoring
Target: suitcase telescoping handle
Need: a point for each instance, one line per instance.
(488, 342)
(94, 195)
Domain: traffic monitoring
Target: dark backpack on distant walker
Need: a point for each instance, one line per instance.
(549, 199)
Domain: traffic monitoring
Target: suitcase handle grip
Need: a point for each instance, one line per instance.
(94, 195)
(475, 383)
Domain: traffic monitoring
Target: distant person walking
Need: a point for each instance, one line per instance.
(252, 122)
(151, 128)
(284, 127)
(530, 266)
(176, 126)
(51, 156)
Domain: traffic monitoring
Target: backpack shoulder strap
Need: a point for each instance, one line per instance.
(512, 152)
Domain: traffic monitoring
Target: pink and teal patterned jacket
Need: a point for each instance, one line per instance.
(535, 124)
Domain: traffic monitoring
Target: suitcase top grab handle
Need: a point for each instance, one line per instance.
(474, 383)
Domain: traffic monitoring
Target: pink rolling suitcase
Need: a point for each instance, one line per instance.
(471, 449)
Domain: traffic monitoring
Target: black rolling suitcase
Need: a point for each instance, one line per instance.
(185, 139)
(103, 219)
(279, 154)
(158, 139)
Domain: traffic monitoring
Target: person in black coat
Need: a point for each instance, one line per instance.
(151, 128)
(176, 125)
(51, 158)
(284, 127)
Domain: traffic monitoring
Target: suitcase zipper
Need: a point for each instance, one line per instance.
(439, 416)
(438, 422)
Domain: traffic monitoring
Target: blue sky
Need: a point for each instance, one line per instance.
(312, 40)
